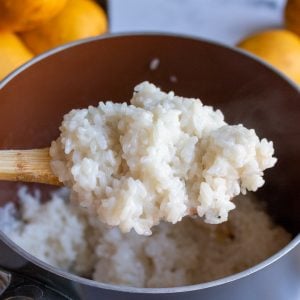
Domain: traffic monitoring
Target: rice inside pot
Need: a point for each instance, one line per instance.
(189, 252)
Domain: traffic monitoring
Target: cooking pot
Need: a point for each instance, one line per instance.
(34, 98)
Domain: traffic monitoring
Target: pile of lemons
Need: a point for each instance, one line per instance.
(280, 47)
(29, 27)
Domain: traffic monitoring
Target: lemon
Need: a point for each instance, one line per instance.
(281, 48)
(292, 16)
(13, 53)
(79, 19)
(21, 15)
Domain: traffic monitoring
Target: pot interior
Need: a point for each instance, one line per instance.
(33, 102)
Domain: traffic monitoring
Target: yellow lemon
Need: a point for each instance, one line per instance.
(281, 48)
(79, 19)
(21, 15)
(292, 16)
(13, 53)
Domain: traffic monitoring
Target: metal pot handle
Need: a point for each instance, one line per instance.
(14, 286)
(5, 279)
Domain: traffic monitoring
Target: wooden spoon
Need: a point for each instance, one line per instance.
(27, 165)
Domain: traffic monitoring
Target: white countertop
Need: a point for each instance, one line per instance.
(225, 21)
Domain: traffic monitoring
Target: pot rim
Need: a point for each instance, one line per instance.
(129, 34)
(56, 271)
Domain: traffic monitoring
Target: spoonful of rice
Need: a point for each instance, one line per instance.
(160, 158)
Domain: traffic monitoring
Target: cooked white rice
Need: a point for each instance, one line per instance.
(160, 158)
(188, 252)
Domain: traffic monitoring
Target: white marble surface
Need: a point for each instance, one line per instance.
(225, 21)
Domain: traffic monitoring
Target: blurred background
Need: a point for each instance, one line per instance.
(226, 21)
(269, 29)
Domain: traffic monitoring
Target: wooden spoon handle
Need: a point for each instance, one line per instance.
(27, 165)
